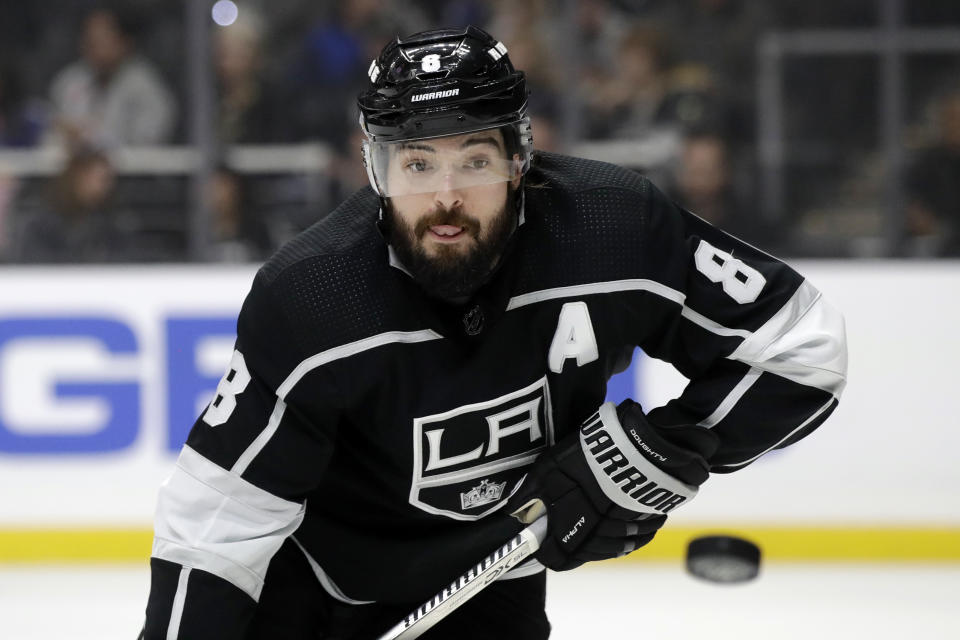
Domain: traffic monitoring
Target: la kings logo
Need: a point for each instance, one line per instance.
(468, 461)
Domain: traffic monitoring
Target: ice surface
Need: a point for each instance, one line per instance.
(646, 602)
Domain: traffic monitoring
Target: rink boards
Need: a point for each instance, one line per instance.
(102, 371)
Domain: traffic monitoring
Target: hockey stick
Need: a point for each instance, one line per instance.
(478, 577)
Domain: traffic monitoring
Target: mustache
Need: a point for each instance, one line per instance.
(454, 217)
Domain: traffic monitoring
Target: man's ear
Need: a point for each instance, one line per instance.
(517, 166)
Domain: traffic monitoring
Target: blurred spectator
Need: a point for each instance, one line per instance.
(347, 173)
(803, 14)
(248, 103)
(238, 234)
(8, 192)
(81, 223)
(640, 98)
(600, 26)
(531, 54)
(20, 119)
(334, 59)
(704, 185)
(111, 96)
(455, 12)
(933, 187)
(514, 21)
(721, 37)
(530, 32)
(545, 135)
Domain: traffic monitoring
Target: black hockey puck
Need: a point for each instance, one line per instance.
(723, 559)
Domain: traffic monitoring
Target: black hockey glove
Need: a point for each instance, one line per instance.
(608, 487)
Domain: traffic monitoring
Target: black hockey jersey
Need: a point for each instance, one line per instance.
(384, 430)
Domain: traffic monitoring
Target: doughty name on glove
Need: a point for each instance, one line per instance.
(625, 474)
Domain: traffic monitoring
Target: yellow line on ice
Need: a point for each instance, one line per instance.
(75, 545)
(829, 544)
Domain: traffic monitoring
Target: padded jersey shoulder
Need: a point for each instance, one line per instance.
(586, 222)
(332, 284)
(348, 230)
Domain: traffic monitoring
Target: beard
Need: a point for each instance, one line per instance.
(452, 273)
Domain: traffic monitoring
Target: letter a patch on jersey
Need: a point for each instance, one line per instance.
(574, 337)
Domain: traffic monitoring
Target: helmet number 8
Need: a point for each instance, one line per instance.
(430, 62)
(741, 282)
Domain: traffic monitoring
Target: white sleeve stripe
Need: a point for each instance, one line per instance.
(711, 326)
(803, 342)
(627, 285)
(211, 519)
(779, 324)
(313, 362)
(252, 451)
(728, 403)
(596, 287)
(179, 599)
(328, 585)
(353, 348)
(232, 487)
(243, 578)
(816, 414)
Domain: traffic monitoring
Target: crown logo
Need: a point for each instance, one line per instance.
(484, 493)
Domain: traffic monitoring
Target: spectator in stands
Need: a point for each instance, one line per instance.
(600, 26)
(81, 224)
(21, 121)
(721, 35)
(248, 110)
(933, 187)
(704, 185)
(20, 126)
(111, 96)
(334, 58)
(8, 191)
(237, 233)
(635, 99)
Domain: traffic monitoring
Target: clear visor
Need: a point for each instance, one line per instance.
(440, 164)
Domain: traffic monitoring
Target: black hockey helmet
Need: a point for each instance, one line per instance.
(440, 83)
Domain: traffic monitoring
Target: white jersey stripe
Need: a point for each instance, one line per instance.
(351, 349)
(732, 399)
(638, 284)
(596, 287)
(209, 518)
(328, 585)
(799, 343)
(251, 452)
(706, 323)
(179, 600)
(787, 344)
(816, 414)
(311, 363)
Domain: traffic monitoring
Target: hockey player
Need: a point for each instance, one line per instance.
(434, 355)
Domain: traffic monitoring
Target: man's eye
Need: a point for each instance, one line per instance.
(478, 163)
(417, 166)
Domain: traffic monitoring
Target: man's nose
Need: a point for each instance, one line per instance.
(448, 193)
